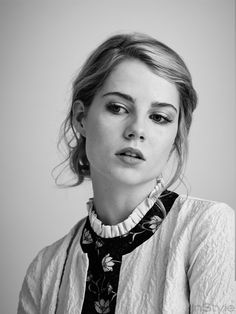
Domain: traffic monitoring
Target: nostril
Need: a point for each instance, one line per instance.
(131, 135)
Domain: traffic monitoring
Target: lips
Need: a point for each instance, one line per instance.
(131, 152)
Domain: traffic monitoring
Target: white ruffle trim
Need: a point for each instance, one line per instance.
(111, 231)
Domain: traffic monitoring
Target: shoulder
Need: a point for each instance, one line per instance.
(210, 249)
(209, 226)
(42, 274)
(53, 255)
(198, 219)
(202, 210)
(55, 250)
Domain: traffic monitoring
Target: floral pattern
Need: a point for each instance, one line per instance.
(102, 306)
(154, 223)
(109, 289)
(105, 258)
(87, 238)
(107, 263)
(89, 277)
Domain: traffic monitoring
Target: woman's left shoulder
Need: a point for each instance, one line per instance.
(209, 211)
(209, 229)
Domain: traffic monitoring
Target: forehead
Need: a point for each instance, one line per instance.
(135, 78)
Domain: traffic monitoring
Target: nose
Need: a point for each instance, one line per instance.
(135, 131)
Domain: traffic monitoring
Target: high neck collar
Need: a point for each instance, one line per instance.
(110, 231)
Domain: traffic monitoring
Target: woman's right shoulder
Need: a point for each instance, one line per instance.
(44, 270)
(59, 248)
(52, 256)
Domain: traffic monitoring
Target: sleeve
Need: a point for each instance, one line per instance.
(30, 294)
(211, 270)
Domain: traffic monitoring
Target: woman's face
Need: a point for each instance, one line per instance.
(131, 125)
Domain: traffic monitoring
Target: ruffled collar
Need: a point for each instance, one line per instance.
(111, 231)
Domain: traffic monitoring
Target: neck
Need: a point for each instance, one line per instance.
(114, 202)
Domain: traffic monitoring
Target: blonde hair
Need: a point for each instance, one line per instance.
(162, 60)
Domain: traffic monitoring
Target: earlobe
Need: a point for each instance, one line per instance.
(78, 119)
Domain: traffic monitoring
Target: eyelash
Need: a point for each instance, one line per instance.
(112, 107)
(164, 118)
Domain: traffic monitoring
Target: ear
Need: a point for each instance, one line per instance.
(78, 119)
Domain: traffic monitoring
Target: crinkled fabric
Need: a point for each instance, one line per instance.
(105, 255)
(187, 266)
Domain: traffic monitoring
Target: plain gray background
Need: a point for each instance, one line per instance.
(43, 43)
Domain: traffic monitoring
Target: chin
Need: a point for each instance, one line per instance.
(130, 178)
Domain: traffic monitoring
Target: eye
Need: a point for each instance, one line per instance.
(116, 108)
(161, 119)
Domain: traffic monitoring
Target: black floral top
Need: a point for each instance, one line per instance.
(105, 256)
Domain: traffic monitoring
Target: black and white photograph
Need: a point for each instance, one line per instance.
(118, 156)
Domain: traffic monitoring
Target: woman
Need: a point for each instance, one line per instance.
(142, 248)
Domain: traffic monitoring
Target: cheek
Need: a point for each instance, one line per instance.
(163, 144)
(92, 144)
(97, 133)
(97, 139)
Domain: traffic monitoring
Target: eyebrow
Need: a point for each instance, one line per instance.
(131, 99)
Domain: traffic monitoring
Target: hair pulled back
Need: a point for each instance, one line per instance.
(162, 60)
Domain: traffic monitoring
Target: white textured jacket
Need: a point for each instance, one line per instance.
(190, 267)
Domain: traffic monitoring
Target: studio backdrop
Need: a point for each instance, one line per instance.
(43, 44)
